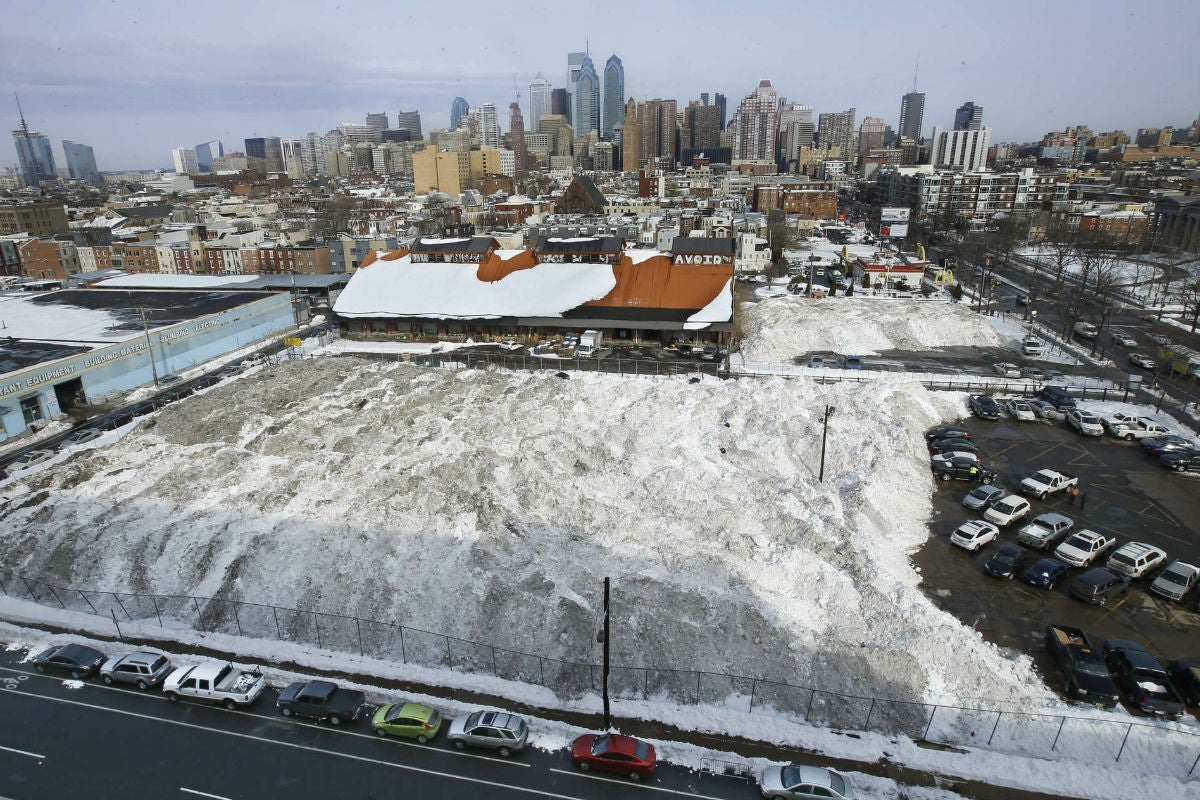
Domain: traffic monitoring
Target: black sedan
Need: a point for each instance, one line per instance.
(76, 660)
(949, 445)
(1143, 679)
(963, 469)
(1181, 460)
(947, 432)
(1165, 444)
(984, 407)
(1005, 562)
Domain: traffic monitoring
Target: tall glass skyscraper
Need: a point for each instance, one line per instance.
(614, 95)
(35, 155)
(539, 100)
(81, 162)
(587, 99)
(458, 110)
(205, 155)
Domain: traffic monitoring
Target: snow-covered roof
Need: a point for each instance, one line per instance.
(400, 288)
(719, 310)
(154, 280)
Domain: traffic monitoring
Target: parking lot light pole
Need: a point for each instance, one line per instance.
(824, 438)
(604, 637)
(149, 346)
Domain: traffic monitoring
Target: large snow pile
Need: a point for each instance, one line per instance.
(490, 505)
(780, 328)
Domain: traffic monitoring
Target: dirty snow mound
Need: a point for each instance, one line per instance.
(491, 505)
(777, 330)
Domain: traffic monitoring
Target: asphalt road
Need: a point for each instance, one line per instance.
(106, 742)
(1129, 495)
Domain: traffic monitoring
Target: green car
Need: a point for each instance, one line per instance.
(410, 720)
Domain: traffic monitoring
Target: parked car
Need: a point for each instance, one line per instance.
(1006, 370)
(1142, 360)
(947, 432)
(322, 701)
(953, 445)
(76, 660)
(407, 720)
(1007, 510)
(1032, 373)
(1046, 572)
(1098, 585)
(81, 436)
(984, 407)
(1081, 548)
(1084, 672)
(1181, 460)
(1046, 482)
(1143, 679)
(1124, 340)
(1185, 677)
(612, 752)
(1158, 338)
(1057, 396)
(1135, 559)
(974, 534)
(142, 669)
(1085, 422)
(796, 781)
(1043, 408)
(981, 497)
(29, 459)
(1005, 562)
(510, 344)
(962, 467)
(1176, 580)
(708, 354)
(1045, 530)
(495, 730)
(1165, 444)
(1020, 410)
(217, 683)
(853, 362)
(1032, 347)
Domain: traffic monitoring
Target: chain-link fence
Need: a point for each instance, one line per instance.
(1145, 745)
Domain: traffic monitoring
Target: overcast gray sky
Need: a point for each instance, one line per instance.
(135, 79)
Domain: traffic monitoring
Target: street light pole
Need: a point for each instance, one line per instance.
(607, 619)
(149, 346)
(824, 438)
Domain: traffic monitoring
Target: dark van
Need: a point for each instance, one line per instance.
(1059, 397)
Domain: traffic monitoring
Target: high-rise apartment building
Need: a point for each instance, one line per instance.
(411, 121)
(81, 162)
(587, 99)
(539, 100)
(871, 134)
(631, 138)
(703, 125)
(458, 109)
(516, 136)
(796, 131)
(265, 153)
(719, 102)
(489, 126)
(560, 103)
(968, 117)
(755, 124)
(657, 125)
(185, 161)
(35, 155)
(964, 150)
(837, 130)
(614, 94)
(912, 115)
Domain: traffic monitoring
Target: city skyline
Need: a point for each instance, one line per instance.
(1018, 64)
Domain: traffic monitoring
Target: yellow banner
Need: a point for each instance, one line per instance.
(292, 342)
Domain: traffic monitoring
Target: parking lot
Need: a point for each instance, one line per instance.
(1128, 494)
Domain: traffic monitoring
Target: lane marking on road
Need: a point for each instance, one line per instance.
(335, 753)
(630, 784)
(341, 731)
(22, 752)
(198, 793)
(1113, 608)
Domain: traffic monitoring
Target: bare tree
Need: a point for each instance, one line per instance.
(1189, 296)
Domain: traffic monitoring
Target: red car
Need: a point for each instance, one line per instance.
(612, 752)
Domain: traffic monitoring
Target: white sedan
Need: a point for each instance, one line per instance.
(509, 344)
(1020, 410)
(1141, 360)
(1085, 422)
(1006, 370)
(974, 534)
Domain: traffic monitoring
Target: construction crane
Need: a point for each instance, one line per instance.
(516, 91)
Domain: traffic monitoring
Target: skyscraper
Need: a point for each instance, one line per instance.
(871, 134)
(539, 101)
(755, 124)
(964, 150)
(719, 102)
(837, 130)
(969, 117)
(185, 160)
(614, 94)
(205, 155)
(703, 124)
(458, 109)
(587, 99)
(267, 150)
(560, 103)
(631, 138)
(411, 120)
(574, 65)
(378, 123)
(912, 115)
(796, 130)
(81, 162)
(516, 135)
(34, 153)
(656, 125)
(489, 126)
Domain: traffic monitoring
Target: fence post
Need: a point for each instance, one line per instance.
(1194, 763)
(157, 613)
(1128, 730)
(645, 684)
(89, 602)
(753, 687)
(117, 597)
(358, 624)
(698, 674)
(449, 656)
(3, 587)
(403, 655)
(812, 696)
(1060, 730)
(870, 711)
(317, 628)
(542, 670)
(278, 630)
(237, 618)
(29, 589)
(199, 616)
(56, 597)
(495, 669)
(1000, 714)
(925, 736)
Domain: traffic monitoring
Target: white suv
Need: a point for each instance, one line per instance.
(1135, 559)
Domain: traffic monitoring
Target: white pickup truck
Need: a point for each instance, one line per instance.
(1046, 482)
(1139, 428)
(220, 684)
